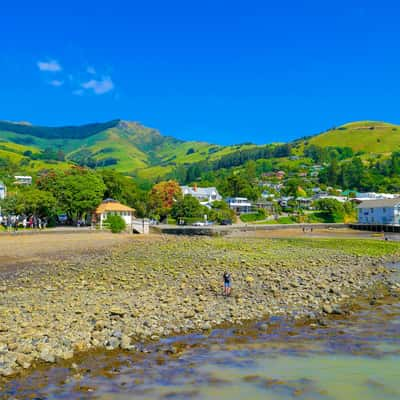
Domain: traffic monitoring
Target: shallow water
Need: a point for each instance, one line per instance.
(350, 358)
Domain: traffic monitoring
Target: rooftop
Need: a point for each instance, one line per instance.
(112, 205)
(379, 203)
(207, 191)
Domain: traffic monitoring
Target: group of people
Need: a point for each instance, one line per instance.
(13, 222)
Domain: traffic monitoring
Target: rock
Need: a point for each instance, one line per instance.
(117, 311)
(47, 356)
(6, 371)
(112, 344)
(327, 308)
(24, 360)
(126, 342)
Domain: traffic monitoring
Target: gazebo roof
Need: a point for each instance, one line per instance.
(112, 205)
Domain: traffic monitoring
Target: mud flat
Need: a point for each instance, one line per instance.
(139, 290)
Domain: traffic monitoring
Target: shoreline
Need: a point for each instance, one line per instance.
(141, 291)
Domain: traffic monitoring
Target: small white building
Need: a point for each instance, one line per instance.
(203, 195)
(241, 205)
(3, 191)
(22, 180)
(381, 212)
(113, 207)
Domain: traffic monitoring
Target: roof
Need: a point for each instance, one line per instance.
(379, 203)
(199, 190)
(112, 205)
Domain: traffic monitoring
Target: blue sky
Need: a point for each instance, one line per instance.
(220, 71)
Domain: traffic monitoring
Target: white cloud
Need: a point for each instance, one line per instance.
(50, 66)
(91, 70)
(56, 83)
(99, 86)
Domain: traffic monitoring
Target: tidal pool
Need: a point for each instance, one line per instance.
(347, 358)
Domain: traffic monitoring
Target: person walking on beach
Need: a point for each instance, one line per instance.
(227, 284)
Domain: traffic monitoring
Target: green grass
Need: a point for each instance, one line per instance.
(280, 220)
(383, 138)
(359, 247)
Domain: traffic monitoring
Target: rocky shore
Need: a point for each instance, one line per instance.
(142, 290)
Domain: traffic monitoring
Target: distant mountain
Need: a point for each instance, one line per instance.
(142, 152)
(126, 146)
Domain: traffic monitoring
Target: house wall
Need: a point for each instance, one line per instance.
(379, 215)
(126, 216)
(3, 192)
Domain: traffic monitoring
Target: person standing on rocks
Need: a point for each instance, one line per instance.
(227, 284)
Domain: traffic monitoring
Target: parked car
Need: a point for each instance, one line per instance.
(62, 218)
(198, 223)
(226, 222)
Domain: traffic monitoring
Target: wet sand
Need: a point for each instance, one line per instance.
(22, 251)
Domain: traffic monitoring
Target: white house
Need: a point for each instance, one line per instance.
(382, 212)
(374, 196)
(113, 207)
(3, 191)
(204, 195)
(241, 205)
(23, 180)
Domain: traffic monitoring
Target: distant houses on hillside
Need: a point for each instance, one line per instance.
(22, 180)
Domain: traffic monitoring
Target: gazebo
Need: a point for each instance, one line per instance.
(114, 207)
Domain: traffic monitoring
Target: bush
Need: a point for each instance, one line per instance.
(115, 223)
(258, 216)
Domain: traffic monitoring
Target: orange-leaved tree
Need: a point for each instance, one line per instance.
(162, 197)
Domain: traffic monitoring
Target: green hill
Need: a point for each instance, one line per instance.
(129, 147)
(367, 136)
(143, 152)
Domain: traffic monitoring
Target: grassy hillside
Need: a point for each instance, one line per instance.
(129, 147)
(136, 150)
(367, 136)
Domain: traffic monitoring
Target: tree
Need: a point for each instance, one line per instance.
(332, 208)
(187, 207)
(78, 191)
(162, 197)
(333, 172)
(121, 188)
(30, 201)
(220, 211)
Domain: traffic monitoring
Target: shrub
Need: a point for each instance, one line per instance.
(258, 216)
(116, 223)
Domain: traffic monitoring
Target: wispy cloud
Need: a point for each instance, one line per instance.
(49, 66)
(99, 86)
(91, 70)
(56, 83)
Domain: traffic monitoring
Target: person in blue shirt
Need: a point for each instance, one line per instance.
(227, 284)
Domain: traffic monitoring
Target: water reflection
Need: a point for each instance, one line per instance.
(349, 358)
